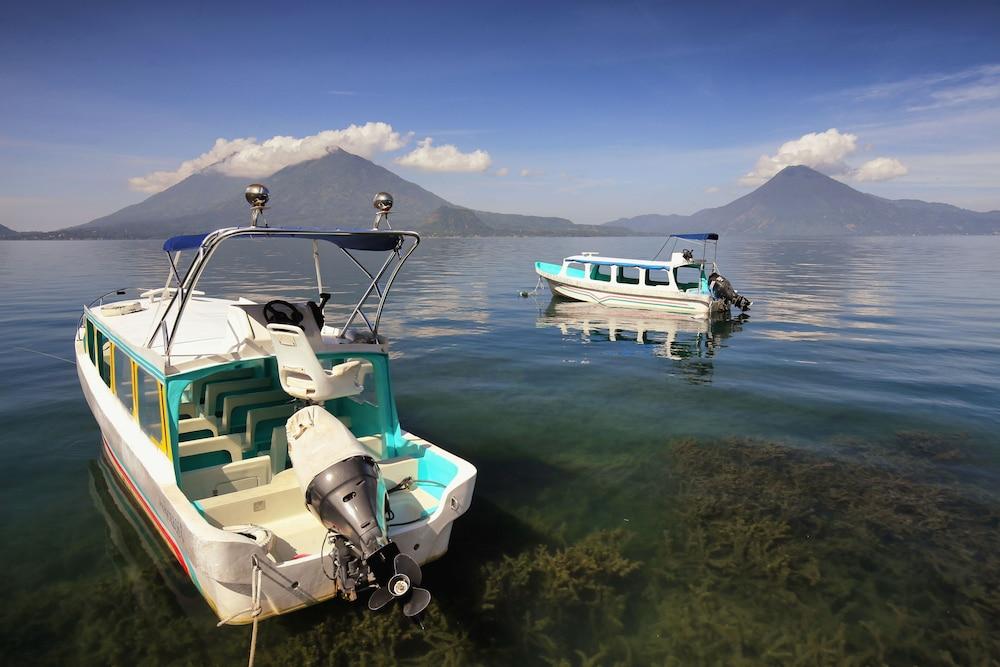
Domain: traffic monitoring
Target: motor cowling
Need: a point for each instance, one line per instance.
(339, 478)
(344, 489)
(723, 290)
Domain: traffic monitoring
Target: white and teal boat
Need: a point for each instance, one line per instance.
(684, 285)
(261, 443)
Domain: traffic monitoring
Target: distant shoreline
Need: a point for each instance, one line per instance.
(44, 236)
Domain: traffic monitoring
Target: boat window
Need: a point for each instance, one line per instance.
(149, 394)
(574, 269)
(600, 272)
(656, 277)
(91, 342)
(688, 277)
(104, 363)
(123, 372)
(628, 275)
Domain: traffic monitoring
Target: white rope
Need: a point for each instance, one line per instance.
(255, 610)
(46, 354)
(255, 594)
(538, 286)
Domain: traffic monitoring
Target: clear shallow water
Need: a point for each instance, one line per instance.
(815, 484)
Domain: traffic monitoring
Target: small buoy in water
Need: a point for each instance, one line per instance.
(523, 293)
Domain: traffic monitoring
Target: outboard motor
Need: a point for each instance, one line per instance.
(723, 290)
(344, 489)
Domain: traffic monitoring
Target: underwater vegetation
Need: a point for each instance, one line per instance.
(740, 551)
(785, 556)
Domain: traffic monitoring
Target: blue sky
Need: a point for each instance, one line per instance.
(585, 110)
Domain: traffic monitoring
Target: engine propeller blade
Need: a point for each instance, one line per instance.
(380, 598)
(402, 585)
(419, 599)
(403, 564)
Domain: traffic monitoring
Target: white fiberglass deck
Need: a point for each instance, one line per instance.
(212, 331)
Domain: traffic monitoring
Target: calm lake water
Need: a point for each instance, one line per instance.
(818, 483)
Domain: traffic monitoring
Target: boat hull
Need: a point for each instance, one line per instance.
(679, 303)
(219, 562)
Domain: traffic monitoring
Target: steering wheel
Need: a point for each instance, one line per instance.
(282, 312)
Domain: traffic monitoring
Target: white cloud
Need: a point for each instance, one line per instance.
(879, 169)
(444, 158)
(711, 190)
(252, 159)
(161, 180)
(825, 152)
(502, 171)
(528, 173)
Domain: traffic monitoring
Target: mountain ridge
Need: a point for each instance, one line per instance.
(331, 192)
(802, 202)
(334, 192)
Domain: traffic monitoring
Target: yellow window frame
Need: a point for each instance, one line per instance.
(164, 433)
(135, 389)
(133, 371)
(111, 364)
(163, 443)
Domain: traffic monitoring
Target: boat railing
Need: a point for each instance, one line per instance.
(398, 244)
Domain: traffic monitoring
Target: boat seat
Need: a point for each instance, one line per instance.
(281, 498)
(231, 444)
(302, 375)
(197, 389)
(226, 478)
(218, 390)
(260, 416)
(196, 425)
(233, 402)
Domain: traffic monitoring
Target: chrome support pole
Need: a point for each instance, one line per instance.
(319, 277)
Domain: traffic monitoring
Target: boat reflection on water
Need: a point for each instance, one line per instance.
(139, 556)
(690, 341)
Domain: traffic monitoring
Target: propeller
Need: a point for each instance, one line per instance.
(402, 586)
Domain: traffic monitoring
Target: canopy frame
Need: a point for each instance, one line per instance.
(702, 238)
(398, 244)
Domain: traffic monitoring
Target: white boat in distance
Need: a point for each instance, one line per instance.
(263, 445)
(684, 285)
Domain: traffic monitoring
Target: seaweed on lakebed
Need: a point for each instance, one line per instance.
(763, 554)
(750, 552)
(775, 554)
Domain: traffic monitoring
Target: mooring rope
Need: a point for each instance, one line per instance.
(46, 354)
(538, 286)
(256, 578)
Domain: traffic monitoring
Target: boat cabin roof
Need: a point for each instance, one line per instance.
(212, 332)
(622, 262)
(618, 261)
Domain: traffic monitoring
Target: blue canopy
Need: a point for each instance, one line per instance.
(349, 239)
(704, 236)
(186, 242)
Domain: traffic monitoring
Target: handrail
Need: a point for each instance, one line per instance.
(212, 241)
